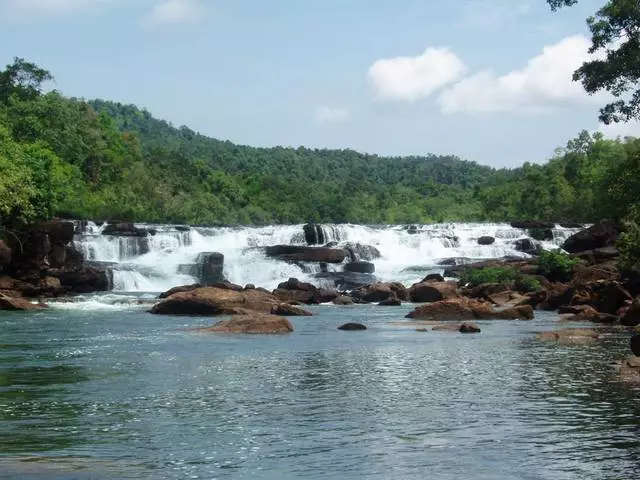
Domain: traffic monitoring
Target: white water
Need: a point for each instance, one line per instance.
(405, 257)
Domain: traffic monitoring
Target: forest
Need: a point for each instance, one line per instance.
(71, 158)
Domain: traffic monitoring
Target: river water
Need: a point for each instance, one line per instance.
(102, 390)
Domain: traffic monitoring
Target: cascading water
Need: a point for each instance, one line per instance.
(158, 262)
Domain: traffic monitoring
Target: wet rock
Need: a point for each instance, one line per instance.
(469, 328)
(541, 234)
(508, 299)
(358, 251)
(249, 286)
(462, 328)
(521, 312)
(360, 267)
(58, 231)
(126, 229)
(631, 318)
(433, 277)
(214, 301)
(288, 310)
(252, 323)
(293, 290)
(526, 245)
(433, 291)
(180, 289)
(602, 234)
(390, 302)
(486, 240)
(453, 309)
(211, 267)
(412, 229)
(352, 327)
(228, 286)
(343, 300)
(18, 304)
(295, 253)
(380, 291)
(557, 295)
(84, 280)
(314, 234)
(630, 369)
(599, 255)
(527, 224)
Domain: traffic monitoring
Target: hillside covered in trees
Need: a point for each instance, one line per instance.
(66, 157)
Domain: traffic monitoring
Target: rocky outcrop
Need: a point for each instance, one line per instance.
(485, 290)
(296, 253)
(570, 336)
(433, 291)
(602, 234)
(126, 229)
(207, 301)
(295, 291)
(288, 310)
(381, 291)
(526, 245)
(314, 234)
(469, 309)
(358, 251)
(18, 304)
(251, 323)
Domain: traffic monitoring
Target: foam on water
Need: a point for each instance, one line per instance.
(153, 263)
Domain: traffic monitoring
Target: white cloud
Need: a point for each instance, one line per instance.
(545, 82)
(176, 12)
(30, 10)
(408, 79)
(326, 114)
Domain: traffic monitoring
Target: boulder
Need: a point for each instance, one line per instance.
(454, 309)
(557, 295)
(433, 277)
(208, 301)
(295, 253)
(570, 336)
(380, 291)
(599, 255)
(433, 291)
(541, 234)
(520, 312)
(631, 318)
(352, 327)
(526, 245)
(358, 251)
(634, 343)
(5, 255)
(469, 328)
(228, 286)
(486, 240)
(58, 231)
(343, 300)
(587, 312)
(314, 234)
(84, 280)
(360, 266)
(252, 323)
(508, 299)
(602, 234)
(180, 289)
(390, 302)
(288, 310)
(18, 304)
(211, 267)
(486, 290)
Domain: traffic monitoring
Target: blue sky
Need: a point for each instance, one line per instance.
(487, 80)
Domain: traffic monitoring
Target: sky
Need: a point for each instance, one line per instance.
(486, 80)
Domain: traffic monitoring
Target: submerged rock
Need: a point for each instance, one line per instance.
(462, 328)
(570, 336)
(252, 323)
(352, 327)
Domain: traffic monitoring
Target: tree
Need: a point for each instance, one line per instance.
(615, 68)
(23, 79)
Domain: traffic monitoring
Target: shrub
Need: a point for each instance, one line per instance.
(628, 243)
(477, 276)
(527, 283)
(556, 265)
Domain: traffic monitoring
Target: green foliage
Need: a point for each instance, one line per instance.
(527, 283)
(478, 276)
(629, 242)
(615, 39)
(556, 265)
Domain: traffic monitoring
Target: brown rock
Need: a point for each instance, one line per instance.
(391, 302)
(18, 304)
(462, 328)
(287, 310)
(343, 300)
(453, 309)
(570, 336)
(630, 369)
(207, 301)
(295, 253)
(433, 291)
(632, 316)
(352, 327)
(602, 234)
(380, 291)
(252, 323)
(508, 299)
(522, 312)
(469, 328)
(180, 289)
(485, 290)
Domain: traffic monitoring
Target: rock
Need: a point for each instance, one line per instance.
(585, 311)
(433, 291)
(352, 327)
(486, 240)
(634, 343)
(126, 229)
(74, 259)
(59, 232)
(211, 267)
(380, 291)
(214, 301)
(541, 234)
(486, 290)
(5, 255)
(228, 286)
(630, 369)
(347, 280)
(343, 300)
(521, 312)
(508, 299)
(570, 336)
(412, 229)
(390, 302)
(287, 310)
(527, 224)
(358, 251)
(599, 255)
(252, 323)
(452, 327)
(57, 255)
(313, 234)
(453, 309)
(49, 285)
(571, 225)
(632, 316)
(18, 304)
(526, 245)
(602, 234)
(469, 328)
(295, 253)
(557, 295)
(249, 286)
(85, 280)
(433, 277)
(421, 330)
(360, 267)
(180, 289)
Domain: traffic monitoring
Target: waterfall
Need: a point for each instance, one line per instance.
(165, 259)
